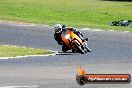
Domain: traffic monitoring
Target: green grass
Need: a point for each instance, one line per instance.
(13, 51)
(76, 13)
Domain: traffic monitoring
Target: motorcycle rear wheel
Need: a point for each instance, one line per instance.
(64, 47)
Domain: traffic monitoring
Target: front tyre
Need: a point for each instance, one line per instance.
(79, 49)
(86, 48)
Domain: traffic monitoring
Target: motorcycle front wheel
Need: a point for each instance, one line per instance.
(79, 49)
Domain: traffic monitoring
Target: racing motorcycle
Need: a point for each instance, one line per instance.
(74, 43)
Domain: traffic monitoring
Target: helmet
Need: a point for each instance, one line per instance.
(58, 28)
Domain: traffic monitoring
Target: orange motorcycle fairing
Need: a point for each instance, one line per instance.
(69, 37)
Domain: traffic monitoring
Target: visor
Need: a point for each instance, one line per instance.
(57, 30)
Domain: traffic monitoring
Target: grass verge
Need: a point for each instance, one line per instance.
(13, 51)
(77, 13)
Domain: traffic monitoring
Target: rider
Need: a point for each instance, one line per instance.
(61, 28)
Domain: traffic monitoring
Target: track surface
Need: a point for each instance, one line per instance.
(111, 53)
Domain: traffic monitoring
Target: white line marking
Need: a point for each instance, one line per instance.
(126, 31)
(91, 29)
(98, 30)
(88, 29)
(24, 25)
(31, 24)
(85, 29)
(27, 56)
(53, 53)
(17, 57)
(30, 86)
(111, 30)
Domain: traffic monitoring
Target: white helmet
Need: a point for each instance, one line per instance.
(58, 28)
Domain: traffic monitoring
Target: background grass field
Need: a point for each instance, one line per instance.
(76, 13)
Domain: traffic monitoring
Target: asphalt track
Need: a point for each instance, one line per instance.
(111, 53)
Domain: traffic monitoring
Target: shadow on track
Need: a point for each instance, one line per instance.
(67, 53)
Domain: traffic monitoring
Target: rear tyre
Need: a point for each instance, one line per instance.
(73, 51)
(64, 47)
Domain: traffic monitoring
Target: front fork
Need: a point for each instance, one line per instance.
(85, 47)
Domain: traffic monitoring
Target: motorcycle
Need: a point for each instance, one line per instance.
(74, 43)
